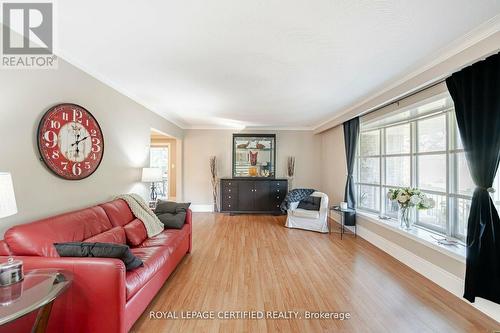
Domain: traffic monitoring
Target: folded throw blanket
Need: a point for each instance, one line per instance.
(141, 211)
(295, 195)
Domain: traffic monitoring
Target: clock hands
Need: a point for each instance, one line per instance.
(76, 133)
(77, 142)
(77, 152)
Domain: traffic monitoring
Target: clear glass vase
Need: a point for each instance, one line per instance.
(405, 217)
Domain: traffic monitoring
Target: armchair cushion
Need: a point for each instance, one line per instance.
(305, 213)
(310, 203)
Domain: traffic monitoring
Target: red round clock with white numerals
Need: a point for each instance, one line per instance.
(70, 141)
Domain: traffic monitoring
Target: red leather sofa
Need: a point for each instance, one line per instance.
(103, 296)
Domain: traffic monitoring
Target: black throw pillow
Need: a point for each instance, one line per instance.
(173, 220)
(165, 207)
(182, 207)
(170, 207)
(310, 203)
(99, 250)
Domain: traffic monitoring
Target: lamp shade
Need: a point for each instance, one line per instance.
(150, 175)
(7, 199)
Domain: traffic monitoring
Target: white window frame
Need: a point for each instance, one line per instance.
(451, 192)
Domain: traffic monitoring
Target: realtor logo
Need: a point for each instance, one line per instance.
(28, 35)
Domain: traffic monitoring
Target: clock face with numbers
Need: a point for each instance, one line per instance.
(70, 141)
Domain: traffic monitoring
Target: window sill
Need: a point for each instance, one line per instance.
(423, 236)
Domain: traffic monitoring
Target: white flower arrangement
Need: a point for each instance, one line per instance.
(411, 197)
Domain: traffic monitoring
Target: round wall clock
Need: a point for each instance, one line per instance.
(70, 141)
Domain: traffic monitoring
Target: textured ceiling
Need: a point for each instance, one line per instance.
(257, 63)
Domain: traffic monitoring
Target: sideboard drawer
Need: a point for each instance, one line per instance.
(228, 206)
(278, 191)
(278, 197)
(279, 186)
(252, 195)
(228, 197)
(229, 187)
(279, 183)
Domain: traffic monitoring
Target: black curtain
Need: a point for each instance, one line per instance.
(351, 134)
(476, 93)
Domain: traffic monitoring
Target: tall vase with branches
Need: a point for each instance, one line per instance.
(290, 171)
(214, 181)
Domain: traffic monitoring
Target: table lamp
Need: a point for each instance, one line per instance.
(11, 271)
(8, 205)
(152, 175)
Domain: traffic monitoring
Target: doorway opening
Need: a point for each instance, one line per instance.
(163, 155)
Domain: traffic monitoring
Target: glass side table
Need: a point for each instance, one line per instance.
(37, 291)
(342, 213)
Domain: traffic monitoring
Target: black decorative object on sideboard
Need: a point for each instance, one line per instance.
(259, 195)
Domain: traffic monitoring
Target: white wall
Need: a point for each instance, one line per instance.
(24, 97)
(199, 145)
(333, 164)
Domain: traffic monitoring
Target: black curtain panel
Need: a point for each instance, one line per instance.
(351, 135)
(476, 93)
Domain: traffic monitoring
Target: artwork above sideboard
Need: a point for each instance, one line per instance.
(254, 156)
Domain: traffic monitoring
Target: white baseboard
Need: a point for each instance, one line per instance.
(436, 274)
(202, 208)
(335, 217)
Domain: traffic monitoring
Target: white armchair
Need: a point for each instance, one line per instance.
(309, 219)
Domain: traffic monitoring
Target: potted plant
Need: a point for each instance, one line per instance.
(407, 199)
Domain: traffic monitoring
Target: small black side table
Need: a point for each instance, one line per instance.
(342, 213)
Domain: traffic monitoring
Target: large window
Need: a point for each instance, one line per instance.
(417, 147)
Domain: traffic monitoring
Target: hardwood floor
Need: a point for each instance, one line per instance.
(254, 263)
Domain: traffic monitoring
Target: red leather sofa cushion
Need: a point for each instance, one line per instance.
(38, 238)
(168, 237)
(136, 232)
(4, 249)
(118, 212)
(115, 236)
(153, 258)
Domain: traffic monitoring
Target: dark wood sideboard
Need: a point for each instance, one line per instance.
(258, 195)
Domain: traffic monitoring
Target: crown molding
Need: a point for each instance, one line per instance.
(280, 128)
(374, 101)
(249, 128)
